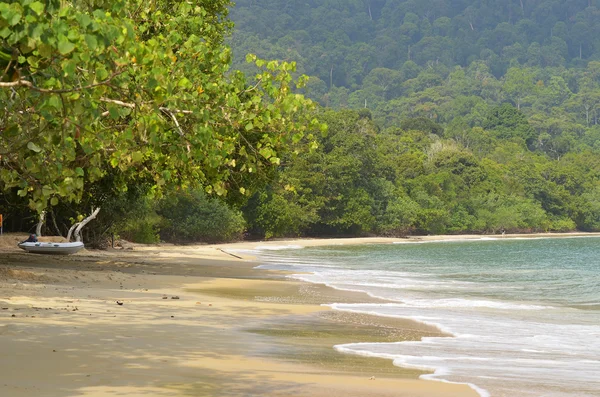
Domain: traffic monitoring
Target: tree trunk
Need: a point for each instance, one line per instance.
(56, 228)
(38, 228)
(71, 231)
(331, 78)
(84, 222)
(587, 115)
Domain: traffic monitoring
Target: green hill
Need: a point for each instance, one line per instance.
(472, 115)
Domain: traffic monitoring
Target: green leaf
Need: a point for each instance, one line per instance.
(54, 201)
(266, 152)
(91, 42)
(249, 126)
(53, 102)
(137, 157)
(184, 83)
(101, 73)
(32, 146)
(37, 7)
(47, 190)
(79, 171)
(69, 67)
(4, 33)
(13, 17)
(84, 20)
(113, 112)
(65, 46)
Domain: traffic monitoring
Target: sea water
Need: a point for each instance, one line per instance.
(524, 314)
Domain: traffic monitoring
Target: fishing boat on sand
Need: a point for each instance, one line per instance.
(51, 248)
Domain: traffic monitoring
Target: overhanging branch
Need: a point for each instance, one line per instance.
(169, 113)
(29, 84)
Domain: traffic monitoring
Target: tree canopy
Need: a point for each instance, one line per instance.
(143, 88)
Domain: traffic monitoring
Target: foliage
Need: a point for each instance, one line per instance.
(139, 226)
(281, 214)
(191, 216)
(142, 88)
(342, 43)
(444, 116)
(364, 181)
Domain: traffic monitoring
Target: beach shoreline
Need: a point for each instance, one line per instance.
(194, 320)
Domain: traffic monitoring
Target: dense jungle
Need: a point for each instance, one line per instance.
(443, 117)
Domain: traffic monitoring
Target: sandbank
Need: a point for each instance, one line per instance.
(188, 321)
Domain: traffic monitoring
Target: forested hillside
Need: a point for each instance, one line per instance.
(437, 59)
(473, 116)
(342, 41)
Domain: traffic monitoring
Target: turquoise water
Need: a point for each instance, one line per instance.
(524, 313)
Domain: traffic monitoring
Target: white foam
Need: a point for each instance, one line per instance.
(503, 343)
(277, 247)
(400, 361)
(468, 303)
(482, 392)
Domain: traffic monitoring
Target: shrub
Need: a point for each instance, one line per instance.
(193, 217)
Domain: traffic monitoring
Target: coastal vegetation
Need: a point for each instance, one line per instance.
(443, 117)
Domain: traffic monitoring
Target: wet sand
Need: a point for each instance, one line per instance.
(188, 321)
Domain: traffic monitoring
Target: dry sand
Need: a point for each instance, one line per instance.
(194, 321)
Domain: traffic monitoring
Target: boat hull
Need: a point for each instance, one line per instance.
(52, 248)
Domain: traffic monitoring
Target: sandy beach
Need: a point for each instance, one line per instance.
(189, 321)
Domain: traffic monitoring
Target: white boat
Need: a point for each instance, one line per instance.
(52, 248)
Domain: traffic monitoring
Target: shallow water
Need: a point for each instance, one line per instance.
(525, 313)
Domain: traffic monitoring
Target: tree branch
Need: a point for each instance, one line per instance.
(117, 102)
(42, 219)
(253, 87)
(168, 112)
(59, 233)
(83, 223)
(29, 84)
(71, 231)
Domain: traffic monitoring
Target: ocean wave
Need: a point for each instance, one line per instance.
(405, 362)
(463, 304)
(466, 303)
(277, 247)
(519, 324)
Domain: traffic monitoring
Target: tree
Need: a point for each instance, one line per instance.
(518, 83)
(383, 82)
(191, 216)
(139, 87)
(422, 124)
(507, 122)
